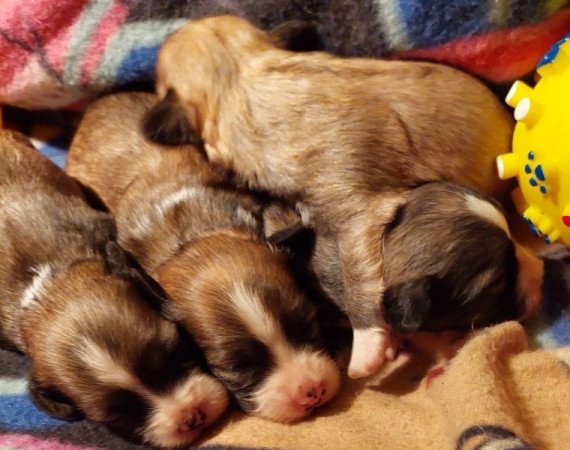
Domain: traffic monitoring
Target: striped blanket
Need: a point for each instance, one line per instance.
(22, 426)
(60, 53)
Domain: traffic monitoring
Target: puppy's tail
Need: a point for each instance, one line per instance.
(407, 305)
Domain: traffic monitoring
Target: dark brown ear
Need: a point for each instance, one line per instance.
(298, 238)
(124, 265)
(297, 36)
(166, 123)
(407, 304)
(6, 343)
(52, 402)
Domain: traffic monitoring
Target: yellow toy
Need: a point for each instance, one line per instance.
(541, 147)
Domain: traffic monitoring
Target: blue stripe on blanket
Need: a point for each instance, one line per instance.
(18, 412)
(440, 21)
(138, 65)
(443, 21)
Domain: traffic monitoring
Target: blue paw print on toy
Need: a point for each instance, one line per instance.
(536, 231)
(553, 52)
(539, 176)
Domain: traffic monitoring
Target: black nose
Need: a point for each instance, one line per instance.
(196, 419)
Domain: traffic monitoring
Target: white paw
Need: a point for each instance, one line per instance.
(370, 348)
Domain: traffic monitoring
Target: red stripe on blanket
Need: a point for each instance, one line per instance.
(498, 56)
(31, 25)
(26, 442)
(113, 19)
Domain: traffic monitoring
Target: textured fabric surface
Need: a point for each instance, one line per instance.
(507, 387)
(58, 53)
(495, 390)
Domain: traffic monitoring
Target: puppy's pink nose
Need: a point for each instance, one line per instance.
(310, 394)
(194, 420)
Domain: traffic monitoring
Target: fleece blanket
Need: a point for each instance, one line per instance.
(59, 53)
(504, 387)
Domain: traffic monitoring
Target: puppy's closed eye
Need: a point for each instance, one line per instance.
(166, 123)
(407, 304)
(52, 402)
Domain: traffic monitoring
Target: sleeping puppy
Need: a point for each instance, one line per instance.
(229, 288)
(450, 263)
(349, 138)
(86, 315)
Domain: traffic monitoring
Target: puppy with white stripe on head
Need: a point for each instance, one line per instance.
(86, 315)
(204, 244)
(450, 262)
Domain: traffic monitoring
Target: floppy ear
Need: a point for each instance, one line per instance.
(52, 402)
(166, 123)
(296, 237)
(300, 239)
(124, 265)
(297, 36)
(6, 343)
(407, 304)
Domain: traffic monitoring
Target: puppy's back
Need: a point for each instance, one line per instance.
(43, 219)
(109, 151)
(21, 164)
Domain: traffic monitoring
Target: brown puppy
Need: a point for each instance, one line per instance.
(72, 303)
(227, 286)
(449, 260)
(347, 137)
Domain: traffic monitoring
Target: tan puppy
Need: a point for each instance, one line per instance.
(72, 302)
(227, 286)
(347, 137)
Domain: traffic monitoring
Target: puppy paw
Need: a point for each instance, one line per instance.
(370, 348)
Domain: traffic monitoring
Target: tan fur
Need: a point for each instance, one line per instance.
(202, 242)
(84, 326)
(391, 123)
(348, 137)
(123, 167)
(446, 231)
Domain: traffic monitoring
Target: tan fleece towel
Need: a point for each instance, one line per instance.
(494, 394)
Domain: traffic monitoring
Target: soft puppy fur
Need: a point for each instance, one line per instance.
(204, 244)
(87, 316)
(349, 138)
(450, 261)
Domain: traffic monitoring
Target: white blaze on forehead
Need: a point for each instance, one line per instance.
(36, 288)
(170, 410)
(251, 310)
(109, 371)
(106, 369)
(487, 211)
(482, 280)
(297, 370)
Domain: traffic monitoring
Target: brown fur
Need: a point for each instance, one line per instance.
(73, 303)
(202, 242)
(347, 137)
(462, 266)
